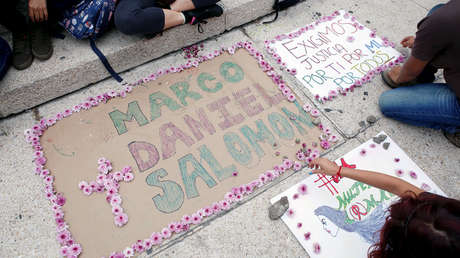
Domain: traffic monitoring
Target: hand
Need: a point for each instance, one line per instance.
(324, 166)
(38, 11)
(394, 73)
(408, 41)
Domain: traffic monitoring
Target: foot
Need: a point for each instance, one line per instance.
(389, 81)
(22, 54)
(278, 208)
(453, 138)
(198, 15)
(40, 39)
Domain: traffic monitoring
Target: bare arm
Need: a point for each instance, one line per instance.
(388, 183)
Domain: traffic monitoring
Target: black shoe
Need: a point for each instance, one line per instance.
(22, 54)
(198, 15)
(40, 38)
(453, 138)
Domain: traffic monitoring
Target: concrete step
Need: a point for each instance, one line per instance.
(74, 65)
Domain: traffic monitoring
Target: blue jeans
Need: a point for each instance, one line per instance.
(432, 105)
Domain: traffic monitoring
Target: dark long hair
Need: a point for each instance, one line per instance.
(427, 225)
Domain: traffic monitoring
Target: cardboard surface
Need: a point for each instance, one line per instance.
(73, 145)
(342, 218)
(334, 54)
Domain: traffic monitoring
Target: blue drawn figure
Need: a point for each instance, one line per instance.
(333, 220)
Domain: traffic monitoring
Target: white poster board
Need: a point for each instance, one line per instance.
(333, 54)
(342, 218)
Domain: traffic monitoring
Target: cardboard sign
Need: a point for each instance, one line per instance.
(333, 54)
(343, 219)
(184, 135)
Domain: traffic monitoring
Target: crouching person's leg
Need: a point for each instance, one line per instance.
(432, 105)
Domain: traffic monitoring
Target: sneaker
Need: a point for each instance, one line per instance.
(22, 54)
(40, 39)
(198, 15)
(453, 138)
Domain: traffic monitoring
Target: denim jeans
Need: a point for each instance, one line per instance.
(432, 105)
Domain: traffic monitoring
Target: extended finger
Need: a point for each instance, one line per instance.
(41, 15)
(31, 15)
(36, 16)
(318, 171)
(45, 14)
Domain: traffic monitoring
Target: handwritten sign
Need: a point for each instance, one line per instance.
(341, 219)
(334, 54)
(184, 135)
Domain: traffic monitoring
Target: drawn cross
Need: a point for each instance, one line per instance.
(326, 182)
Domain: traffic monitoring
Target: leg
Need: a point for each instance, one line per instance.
(12, 18)
(434, 8)
(186, 5)
(431, 105)
(143, 17)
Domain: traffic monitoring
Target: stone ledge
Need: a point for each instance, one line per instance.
(74, 65)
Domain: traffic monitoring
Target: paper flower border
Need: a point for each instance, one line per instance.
(69, 248)
(358, 83)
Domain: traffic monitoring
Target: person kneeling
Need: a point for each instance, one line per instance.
(421, 102)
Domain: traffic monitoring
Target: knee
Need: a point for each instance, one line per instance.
(124, 22)
(386, 102)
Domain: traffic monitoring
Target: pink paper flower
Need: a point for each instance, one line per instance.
(166, 233)
(373, 34)
(425, 187)
(399, 172)
(87, 190)
(186, 219)
(315, 113)
(128, 177)
(372, 145)
(297, 166)
(299, 225)
(325, 144)
(121, 219)
(64, 251)
(397, 160)
(300, 155)
(413, 174)
(235, 173)
(208, 211)
(291, 98)
(117, 210)
(316, 248)
(148, 243)
(60, 199)
(288, 163)
(196, 219)
(225, 205)
(295, 196)
(115, 200)
(128, 252)
(118, 176)
(75, 249)
(307, 236)
(63, 236)
(363, 152)
(302, 189)
(156, 238)
(82, 185)
(290, 213)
